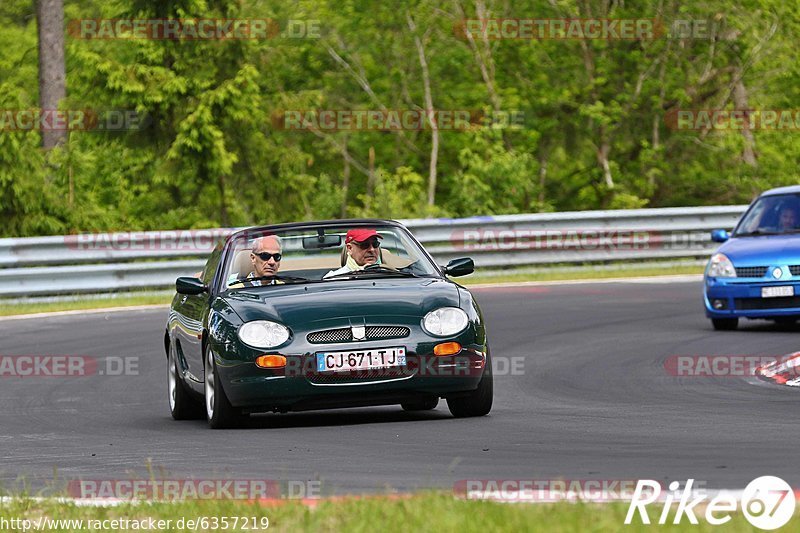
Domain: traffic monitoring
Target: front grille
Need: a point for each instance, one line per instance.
(329, 336)
(795, 270)
(787, 302)
(751, 272)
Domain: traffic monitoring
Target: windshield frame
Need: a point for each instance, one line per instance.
(236, 238)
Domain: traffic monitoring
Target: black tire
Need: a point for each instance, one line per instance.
(182, 405)
(725, 324)
(219, 411)
(427, 403)
(479, 401)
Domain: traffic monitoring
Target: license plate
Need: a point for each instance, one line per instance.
(775, 292)
(361, 359)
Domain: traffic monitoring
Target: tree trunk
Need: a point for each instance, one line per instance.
(740, 104)
(71, 199)
(431, 112)
(602, 158)
(485, 60)
(371, 178)
(223, 208)
(52, 72)
(346, 179)
(542, 178)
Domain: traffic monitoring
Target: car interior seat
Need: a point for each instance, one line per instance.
(242, 265)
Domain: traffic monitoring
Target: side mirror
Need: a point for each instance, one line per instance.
(719, 235)
(460, 267)
(190, 285)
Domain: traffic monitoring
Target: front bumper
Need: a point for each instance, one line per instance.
(741, 298)
(299, 386)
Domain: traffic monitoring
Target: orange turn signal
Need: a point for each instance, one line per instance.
(271, 361)
(447, 348)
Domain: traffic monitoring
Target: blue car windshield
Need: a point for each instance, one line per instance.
(771, 215)
(321, 254)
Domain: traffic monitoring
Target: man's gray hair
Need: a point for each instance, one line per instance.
(259, 241)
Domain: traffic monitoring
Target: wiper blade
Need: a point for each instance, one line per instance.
(755, 232)
(374, 269)
(278, 277)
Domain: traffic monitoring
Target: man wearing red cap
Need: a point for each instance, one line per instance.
(363, 249)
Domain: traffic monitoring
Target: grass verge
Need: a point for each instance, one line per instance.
(24, 308)
(434, 511)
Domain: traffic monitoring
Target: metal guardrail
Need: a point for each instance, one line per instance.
(108, 262)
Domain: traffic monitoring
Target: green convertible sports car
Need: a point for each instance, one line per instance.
(322, 315)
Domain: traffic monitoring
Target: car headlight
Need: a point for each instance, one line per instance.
(721, 267)
(445, 321)
(263, 334)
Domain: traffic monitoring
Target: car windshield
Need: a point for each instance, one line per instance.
(320, 255)
(771, 215)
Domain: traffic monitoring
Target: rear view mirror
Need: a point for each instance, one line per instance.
(190, 285)
(719, 235)
(322, 241)
(460, 267)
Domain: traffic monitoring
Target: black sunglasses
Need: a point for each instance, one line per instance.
(374, 242)
(264, 256)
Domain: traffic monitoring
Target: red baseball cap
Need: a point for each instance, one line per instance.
(361, 235)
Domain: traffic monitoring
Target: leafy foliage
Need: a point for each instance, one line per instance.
(594, 130)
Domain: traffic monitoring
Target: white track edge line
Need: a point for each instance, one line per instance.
(165, 307)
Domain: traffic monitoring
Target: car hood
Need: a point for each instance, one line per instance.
(295, 304)
(763, 250)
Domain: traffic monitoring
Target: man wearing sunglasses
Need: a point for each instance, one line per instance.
(266, 259)
(266, 256)
(363, 248)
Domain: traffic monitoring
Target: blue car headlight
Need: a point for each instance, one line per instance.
(263, 334)
(445, 321)
(720, 267)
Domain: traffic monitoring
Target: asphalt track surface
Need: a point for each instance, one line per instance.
(593, 401)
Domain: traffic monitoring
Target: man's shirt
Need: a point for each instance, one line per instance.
(250, 281)
(349, 266)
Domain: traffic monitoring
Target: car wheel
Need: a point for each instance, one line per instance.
(725, 324)
(425, 404)
(479, 401)
(219, 411)
(182, 405)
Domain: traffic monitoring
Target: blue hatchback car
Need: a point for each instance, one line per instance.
(756, 272)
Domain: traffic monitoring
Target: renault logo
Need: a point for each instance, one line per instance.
(777, 273)
(359, 333)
